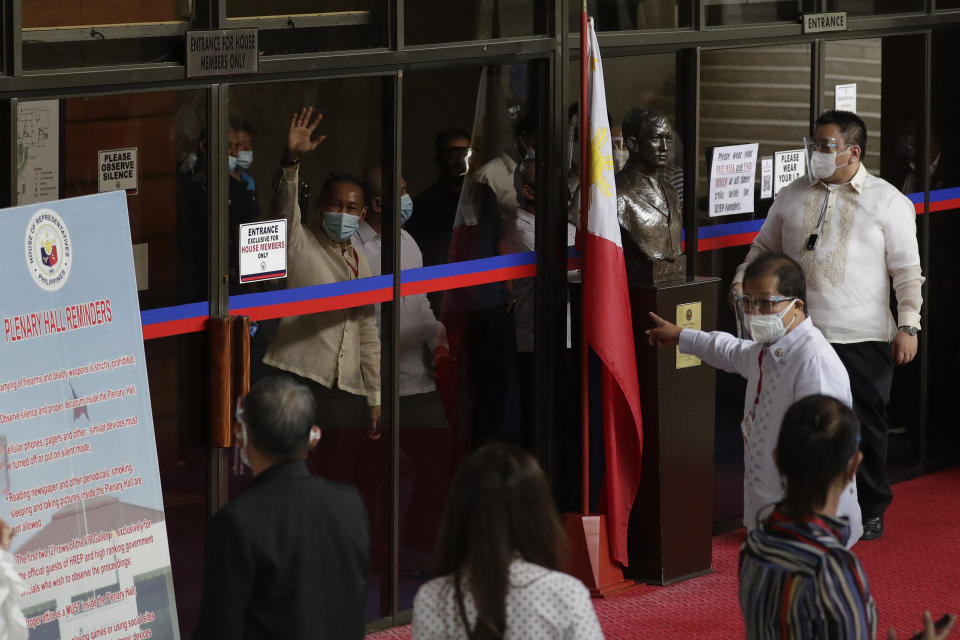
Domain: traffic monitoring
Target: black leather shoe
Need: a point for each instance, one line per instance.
(872, 528)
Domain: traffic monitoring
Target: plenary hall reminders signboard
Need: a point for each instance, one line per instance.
(79, 480)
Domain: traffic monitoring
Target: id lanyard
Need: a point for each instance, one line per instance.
(752, 414)
(355, 265)
(814, 238)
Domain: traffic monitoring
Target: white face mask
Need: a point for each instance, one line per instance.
(823, 164)
(244, 159)
(767, 328)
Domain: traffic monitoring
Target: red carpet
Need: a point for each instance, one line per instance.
(914, 566)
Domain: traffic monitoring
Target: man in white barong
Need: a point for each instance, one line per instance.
(787, 359)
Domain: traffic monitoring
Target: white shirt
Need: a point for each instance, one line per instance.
(419, 328)
(498, 175)
(540, 604)
(800, 364)
(869, 235)
(521, 238)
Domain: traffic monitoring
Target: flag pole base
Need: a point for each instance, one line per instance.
(590, 559)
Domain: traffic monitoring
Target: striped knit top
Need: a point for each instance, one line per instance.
(799, 582)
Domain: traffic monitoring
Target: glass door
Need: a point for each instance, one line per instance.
(169, 223)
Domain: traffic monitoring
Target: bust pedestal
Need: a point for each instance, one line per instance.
(671, 525)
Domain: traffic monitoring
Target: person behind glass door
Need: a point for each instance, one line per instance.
(499, 553)
(420, 333)
(521, 238)
(193, 235)
(419, 328)
(336, 353)
(797, 577)
(853, 233)
(242, 193)
(289, 557)
(435, 208)
(498, 173)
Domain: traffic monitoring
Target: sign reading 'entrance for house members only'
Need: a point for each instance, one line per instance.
(222, 52)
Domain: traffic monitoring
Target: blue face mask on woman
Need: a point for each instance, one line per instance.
(406, 208)
(340, 226)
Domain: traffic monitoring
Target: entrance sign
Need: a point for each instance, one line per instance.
(263, 250)
(821, 22)
(38, 151)
(845, 97)
(732, 174)
(80, 482)
(787, 167)
(116, 170)
(221, 52)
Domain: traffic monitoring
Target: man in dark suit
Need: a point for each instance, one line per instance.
(289, 557)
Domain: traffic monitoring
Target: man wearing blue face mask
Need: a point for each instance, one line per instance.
(855, 236)
(787, 359)
(336, 352)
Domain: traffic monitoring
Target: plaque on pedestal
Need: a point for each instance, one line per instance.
(671, 525)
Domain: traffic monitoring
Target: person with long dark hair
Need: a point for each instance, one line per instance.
(797, 577)
(500, 547)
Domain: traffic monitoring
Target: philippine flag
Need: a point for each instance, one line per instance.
(609, 328)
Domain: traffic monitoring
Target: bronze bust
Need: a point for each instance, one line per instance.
(648, 207)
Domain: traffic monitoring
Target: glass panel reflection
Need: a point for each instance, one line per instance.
(872, 7)
(287, 162)
(628, 15)
(170, 254)
(943, 280)
(169, 211)
(64, 33)
(470, 162)
(730, 12)
(301, 26)
(177, 368)
(471, 20)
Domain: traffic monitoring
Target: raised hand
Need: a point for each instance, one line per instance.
(300, 136)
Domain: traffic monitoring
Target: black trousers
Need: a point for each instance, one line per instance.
(870, 368)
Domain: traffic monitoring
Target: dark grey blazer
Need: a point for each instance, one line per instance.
(287, 558)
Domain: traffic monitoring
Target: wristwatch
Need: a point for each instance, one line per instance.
(910, 331)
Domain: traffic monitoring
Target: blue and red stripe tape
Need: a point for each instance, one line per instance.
(189, 318)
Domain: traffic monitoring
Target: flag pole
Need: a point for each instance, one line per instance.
(584, 206)
(590, 557)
